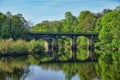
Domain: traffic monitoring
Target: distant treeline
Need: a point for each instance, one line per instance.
(106, 23)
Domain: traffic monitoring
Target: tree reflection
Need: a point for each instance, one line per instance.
(107, 67)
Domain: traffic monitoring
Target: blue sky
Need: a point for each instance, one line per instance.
(39, 10)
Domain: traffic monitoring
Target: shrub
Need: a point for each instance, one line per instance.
(5, 45)
(19, 46)
(35, 46)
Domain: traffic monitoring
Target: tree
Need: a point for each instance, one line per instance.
(106, 11)
(47, 26)
(109, 28)
(86, 21)
(56, 26)
(41, 27)
(19, 26)
(13, 26)
(2, 19)
(6, 27)
(69, 23)
(117, 8)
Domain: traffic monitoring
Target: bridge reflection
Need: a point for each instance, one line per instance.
(73, 57)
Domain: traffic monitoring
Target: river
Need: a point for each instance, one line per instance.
(31, 67)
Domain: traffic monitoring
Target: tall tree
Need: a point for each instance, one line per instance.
(69, 23)
(19, 26)
(13, 26)
(6, 28)
(86, 21)
(108, 27)
(2, 19)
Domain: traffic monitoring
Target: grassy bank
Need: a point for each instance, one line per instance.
(20, 46)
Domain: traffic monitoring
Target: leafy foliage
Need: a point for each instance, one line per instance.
(13, 26)
(35, 47)
(5, 45)
(108, 27)
(19, 46)
(86, 21)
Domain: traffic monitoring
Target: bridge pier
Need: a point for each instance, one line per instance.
(74, 48)
(91, 47)
(55, 48)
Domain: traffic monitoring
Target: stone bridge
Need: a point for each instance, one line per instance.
(53, 37)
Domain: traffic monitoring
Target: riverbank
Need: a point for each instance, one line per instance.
(20, 46)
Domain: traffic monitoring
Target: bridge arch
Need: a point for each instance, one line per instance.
(64, 43)
(46, 42)
(82, 46)
(48, 45)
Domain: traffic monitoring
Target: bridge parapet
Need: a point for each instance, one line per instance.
(53, 35)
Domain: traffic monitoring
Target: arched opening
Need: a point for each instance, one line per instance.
(82, 48)
(64, 51)
(36, 46)
(43, 47)
(48, 43)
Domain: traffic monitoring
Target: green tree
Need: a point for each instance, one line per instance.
(86, 21)
(56, 26)
(69, 23)
(6, 28)
(13, 26)
(117, 8)
(41, 27)
(19, 26)
(108, 27)
(47, 26)
(2, 19)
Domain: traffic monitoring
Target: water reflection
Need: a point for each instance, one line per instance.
(25, 69)
(37, 73)
(71, 71)
(30, 68)
(64, 54)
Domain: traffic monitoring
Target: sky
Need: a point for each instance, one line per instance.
(39, 10)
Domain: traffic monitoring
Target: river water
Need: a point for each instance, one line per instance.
(31, 68)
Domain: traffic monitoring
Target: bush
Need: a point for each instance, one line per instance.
(35, 47)
(5, 45)
(20, 46)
